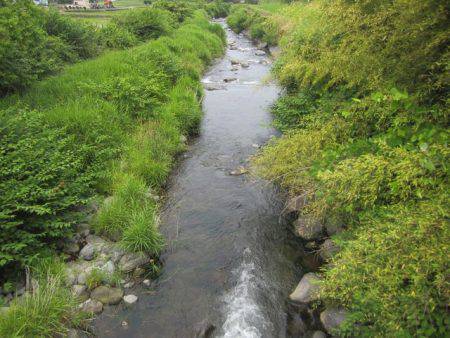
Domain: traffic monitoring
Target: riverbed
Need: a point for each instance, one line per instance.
(229, 259)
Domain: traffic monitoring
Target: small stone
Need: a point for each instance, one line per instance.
(234, 61)
(138, 272)
(308, 228)
(332, 318)
(146, 282)
(318, 334)
(128, 285)
(307, 289)
(183, 139)
(260, 53)
(73, 333)
(262, 45)
(311, 245)
(107, 295)
(130, 299)
(328, 249)
(229, 79)
(92, 306)
(88, 251)
(124, 323)
(238, 171)
(80, 292)
(245, 64)
(255, 145)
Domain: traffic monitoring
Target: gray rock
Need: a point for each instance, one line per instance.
(307, 289)
(107, 295)
(295, 204)
(318, 334)
(128, 285)
(81, 279)
(260, 53)
(71, 248)
(334, 228)
(138, 272)
(131, 261)
(262, 45)
(213, 86)
(235, 61)
(308, 228)
(332, 318)
(81, 292)
(130, 299)
(204, 329)
(296, 327)
(328, 249)
(108, 267)
(73, 333)
(146, 282)
(311, 245)
(245, 64)
(88, 252)
(92, 306)
(274, 50)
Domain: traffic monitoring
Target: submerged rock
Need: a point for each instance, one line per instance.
(107, 295)
(204, 329)
(92, 306)
(332, 318)
(308, 228)
(307, 289)
(260, 53)
(245, 64)
(229, 79)
(239, 171)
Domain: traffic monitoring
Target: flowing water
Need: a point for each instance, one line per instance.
(229, 258)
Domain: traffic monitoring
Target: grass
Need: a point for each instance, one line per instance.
(46, 311)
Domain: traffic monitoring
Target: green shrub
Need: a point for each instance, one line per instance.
(117, 37)
(146, 23)
(180, 9)
(43, 176)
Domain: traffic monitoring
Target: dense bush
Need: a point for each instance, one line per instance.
(367, 141)
(43, 175)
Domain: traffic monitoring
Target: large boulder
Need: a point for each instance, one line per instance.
(332, 318)
(107, 295)
(131, 261)
(307, 290)
(328, 249)
(308, 228)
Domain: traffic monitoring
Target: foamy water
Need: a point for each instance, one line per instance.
(244, 317)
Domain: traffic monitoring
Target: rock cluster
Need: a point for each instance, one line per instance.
(316, 237)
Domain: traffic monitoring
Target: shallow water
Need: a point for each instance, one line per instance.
(229, 259)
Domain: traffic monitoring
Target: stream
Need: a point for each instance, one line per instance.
(229, 258)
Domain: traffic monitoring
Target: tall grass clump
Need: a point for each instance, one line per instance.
(366, 141)
(111, 125)
(45, 311)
